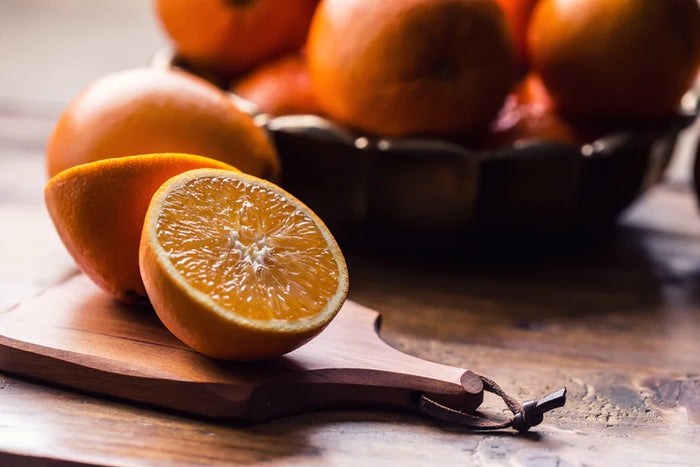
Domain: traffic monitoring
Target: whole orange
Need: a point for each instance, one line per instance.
(616, 58)
(401, 67)
(280, 87)
(146, 111)
(98, 211)
(232, 36)
(518, 13)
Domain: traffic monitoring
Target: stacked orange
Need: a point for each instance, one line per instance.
(616, 59)
(445, 67)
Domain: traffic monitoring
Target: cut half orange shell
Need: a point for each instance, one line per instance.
(236, 267)
(98, 210)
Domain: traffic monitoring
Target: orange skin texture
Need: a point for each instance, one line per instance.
(411, 67)
(98, 211)
(280, 87)
(518, 13)
(616, 58)
(147, 111)
(233, 36)
(529, 114)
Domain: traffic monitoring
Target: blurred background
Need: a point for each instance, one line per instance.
(51, 49)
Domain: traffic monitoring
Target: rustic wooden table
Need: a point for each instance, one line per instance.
(618, 323)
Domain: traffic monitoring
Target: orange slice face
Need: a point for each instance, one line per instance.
(236, 267)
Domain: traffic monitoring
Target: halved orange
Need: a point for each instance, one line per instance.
(98, 210)
(236, 267)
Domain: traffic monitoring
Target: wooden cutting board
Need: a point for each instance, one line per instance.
(77, 336)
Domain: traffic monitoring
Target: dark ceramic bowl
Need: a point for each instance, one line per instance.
(369, 189)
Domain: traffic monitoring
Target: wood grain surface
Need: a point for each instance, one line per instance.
(77, 336)
(617, 322)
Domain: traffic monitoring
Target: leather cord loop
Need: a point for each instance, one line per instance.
(525, 416)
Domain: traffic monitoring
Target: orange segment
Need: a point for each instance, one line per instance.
(238, 268)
